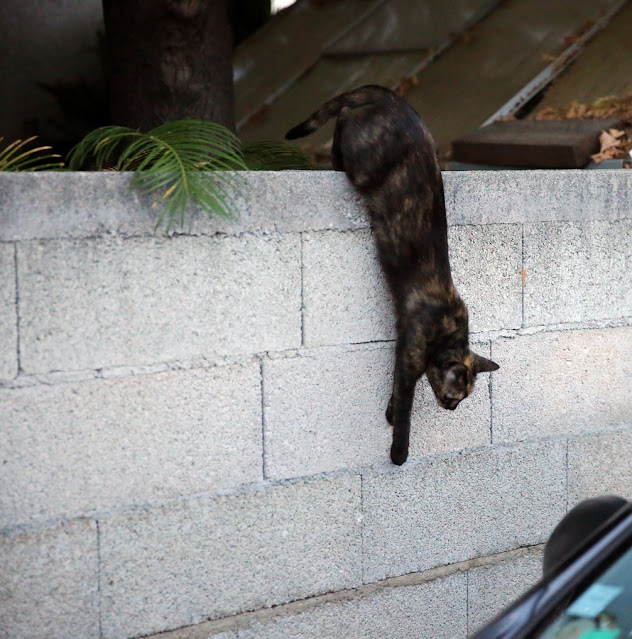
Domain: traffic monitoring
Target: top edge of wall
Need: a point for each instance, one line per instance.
(49, 205)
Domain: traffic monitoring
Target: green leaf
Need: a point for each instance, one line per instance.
(276, 156)
(183, 162)
(16, 157)
(169, 162)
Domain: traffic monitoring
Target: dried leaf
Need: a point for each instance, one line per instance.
(609, 142)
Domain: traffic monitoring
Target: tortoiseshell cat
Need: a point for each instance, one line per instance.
(389, 156)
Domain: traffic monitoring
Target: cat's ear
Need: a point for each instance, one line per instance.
(484, 365)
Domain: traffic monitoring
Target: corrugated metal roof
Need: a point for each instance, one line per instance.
(328, 78)
(409, 25)
(287, 46)
(603, 69)
(467, 84)
(469, 61)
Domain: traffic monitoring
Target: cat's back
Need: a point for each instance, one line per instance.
(385, 139)
(389, 155)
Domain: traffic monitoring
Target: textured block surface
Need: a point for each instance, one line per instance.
(180, 564)
(600, 465)
(90, 304)
(452, 509)
(74, 448)
(345, 293)
(484, 197)
(576, 272)
(346, 297)
(493, 588)
(102, 203)
(8, 314)
(435, 609)
(49, 583)
(559, 383)
(486, 263)
(325, 411)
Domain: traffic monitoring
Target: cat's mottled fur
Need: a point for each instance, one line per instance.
(388, 154)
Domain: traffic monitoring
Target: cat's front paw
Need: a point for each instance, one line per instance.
(390, 411)
(398, 454)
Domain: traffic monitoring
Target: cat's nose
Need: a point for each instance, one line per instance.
(450, 403)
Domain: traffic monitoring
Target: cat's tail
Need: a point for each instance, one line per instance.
(369, 94)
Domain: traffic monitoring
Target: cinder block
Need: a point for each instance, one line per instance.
(486, 266)
(325, 411)
(345, 293)
(560, 383)
(576, 272)
(91, 304)
(290, 201)
(600, 465)
(284, 201)
(71, 449)
(493, 588)
(346, 297)
(101, 203)
(484, 197)
(206, 558)
(435, 609)
(49, 583)
(8, 314)
(450, 509)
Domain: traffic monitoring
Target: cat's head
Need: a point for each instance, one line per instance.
(452, 379)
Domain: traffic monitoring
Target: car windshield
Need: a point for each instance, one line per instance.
(603, 610)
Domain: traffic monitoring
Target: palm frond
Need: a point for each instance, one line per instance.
(276, 156)
(16, 157)
(171, 163)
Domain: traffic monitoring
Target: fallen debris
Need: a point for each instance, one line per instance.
(613, 145)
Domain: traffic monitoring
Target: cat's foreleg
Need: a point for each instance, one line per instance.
(390, 410)
(409, 367)
(401, 403)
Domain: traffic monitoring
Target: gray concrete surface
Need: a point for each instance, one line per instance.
(344, 291)
(462, 506)
(485, 197)
(215, 400)
(575, 272)
(562, 382)
(103, 204)
(492, 588)
(600, 465)
(290, 201)
(210, 557)
(71, 449)
(49, 582)
(486, 267)
(325, 411)
(436, 609)
(8, 314)
(92, 304)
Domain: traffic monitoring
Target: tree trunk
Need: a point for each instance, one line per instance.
(169, 60)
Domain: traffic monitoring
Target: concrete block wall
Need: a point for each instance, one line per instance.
(192, 432)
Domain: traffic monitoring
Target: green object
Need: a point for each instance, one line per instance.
(16, 157)
(182, 162)
(599, 633)
(171, 162)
